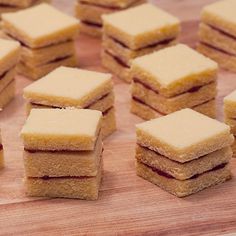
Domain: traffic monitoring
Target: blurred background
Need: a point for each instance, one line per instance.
(180, 8)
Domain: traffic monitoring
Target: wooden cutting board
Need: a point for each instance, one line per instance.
(128, 205)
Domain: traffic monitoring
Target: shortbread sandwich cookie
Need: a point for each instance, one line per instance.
(183, 188)
(184, 135)
(217, 33)
(184, 152)
(61, 129)
(135, 32)
(156, 90)
(59, 164)
(9, 56)
(44, 48)
(70, 87)
(63, 153)
(187, 170)
(90, 13)
(81, 187)
(145, 112)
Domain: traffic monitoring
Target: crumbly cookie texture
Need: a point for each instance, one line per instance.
(184, 135)
(193, 70)
(25, 26)
(61, 129)
(217, 32)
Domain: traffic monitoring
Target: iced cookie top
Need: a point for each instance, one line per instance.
(40, 25)
(61, 129)
(176, 66)
(184, 135)
(69, 87)
(221, 15)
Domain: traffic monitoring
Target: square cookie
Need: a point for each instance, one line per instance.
(188, 70)
(69, 87)
(217, 33)
(26, 26)
(182, 135)
(63, 163)
(221, 15)
(83, 187)
(183, 188)
(141, 26)
(61, 129)
(183, 171)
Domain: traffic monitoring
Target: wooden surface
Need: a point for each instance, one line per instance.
(128, 205)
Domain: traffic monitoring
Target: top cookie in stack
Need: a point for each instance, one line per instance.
(47, 39)
(90, 12)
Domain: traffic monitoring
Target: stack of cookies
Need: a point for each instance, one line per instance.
(9, 57)
(135, 32)
(71, 87)
(90, 13)
(230, 115)
(47, 42)
(16, 5)
(63, 153)
(1, 154)
(217, 33)
(184, 152)
(172, 79)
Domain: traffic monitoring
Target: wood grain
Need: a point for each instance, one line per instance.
(128, 205)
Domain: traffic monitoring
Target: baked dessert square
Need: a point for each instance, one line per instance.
(63, 163)
(61, 129)
(147, 112)
(70, 87)
(217, 33)
(128, 34)
(80, 187)
(9, 56)
(183, 188)
(47, 55)
(90, 13)
(36, 72)
(160, 91)
(187, 170)
(181, 135)
(25, 26)
(63, 153)
(169, 152)
(43, 48)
